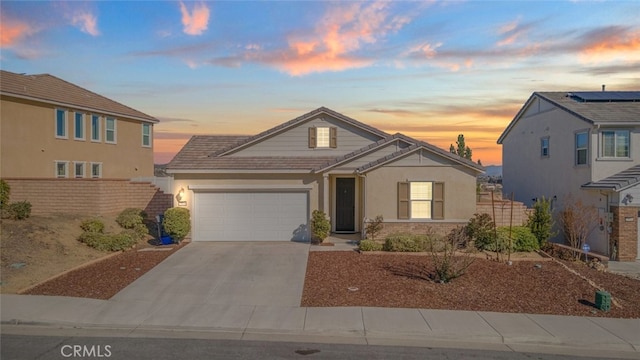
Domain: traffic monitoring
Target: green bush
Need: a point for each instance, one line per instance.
(522, 238)
(92, 225)
(129, 218)
(107, 242)
(139, 232)
(320, 226)
(480, 229)
(374, 226)
(541, 220)
(177, 223)
(5, 189)
(370, 245)
(405, 242)
(19, 210)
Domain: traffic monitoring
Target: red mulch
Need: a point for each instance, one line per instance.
(403, 281)
(103, 279)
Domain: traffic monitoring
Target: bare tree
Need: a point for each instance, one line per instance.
(578, 221)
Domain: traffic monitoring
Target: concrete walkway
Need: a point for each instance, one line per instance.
(206, 315)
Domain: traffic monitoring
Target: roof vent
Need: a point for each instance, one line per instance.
(603, 85)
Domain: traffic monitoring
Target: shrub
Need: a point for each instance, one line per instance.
(447, 263)
(107, 242)
(5, 189)
(480, 229)
(129, 218)
(370, 245)
(521, 239)
(540, 222)
(405, 242)
(177, 223)
(578, 221)
(320, 226)
(139, 232)
(92, 225)
(374, 226)
(19, 210)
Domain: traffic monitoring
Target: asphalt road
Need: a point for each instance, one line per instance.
(25, 347)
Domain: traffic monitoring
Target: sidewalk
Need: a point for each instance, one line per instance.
(597, 337)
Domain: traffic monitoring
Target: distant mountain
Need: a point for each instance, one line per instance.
(493, 170)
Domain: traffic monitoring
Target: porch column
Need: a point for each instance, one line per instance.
(325, 193)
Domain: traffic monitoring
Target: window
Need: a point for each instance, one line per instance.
(110, 131)
(544, 147)
(95, 128)
(79, 126)
(96, 170)
(615, 143)
(421, 200)
(62, 169)
(323, 137)
(79, 169)
(582, 148)
(146, 135)
(61, 123)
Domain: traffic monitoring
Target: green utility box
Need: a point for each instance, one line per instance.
(603, 300)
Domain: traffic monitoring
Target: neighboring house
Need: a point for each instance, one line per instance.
(265, 187)
(51, 128)
(67, 149)
(585, 145)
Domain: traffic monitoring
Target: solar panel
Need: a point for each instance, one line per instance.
(605, 96)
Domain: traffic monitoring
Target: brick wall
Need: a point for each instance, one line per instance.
(442, 228)
(88, 196)
(624, 232)
(503, 211)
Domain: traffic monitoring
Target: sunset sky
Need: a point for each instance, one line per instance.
(430, 70)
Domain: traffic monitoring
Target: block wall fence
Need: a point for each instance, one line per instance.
(88, 196)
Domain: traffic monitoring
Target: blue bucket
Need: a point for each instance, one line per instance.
(166, 240)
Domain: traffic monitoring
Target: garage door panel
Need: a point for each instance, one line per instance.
(251, 216)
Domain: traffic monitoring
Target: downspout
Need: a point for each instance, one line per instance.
(607, 225)
(364, 201)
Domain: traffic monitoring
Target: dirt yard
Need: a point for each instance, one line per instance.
(37, 248)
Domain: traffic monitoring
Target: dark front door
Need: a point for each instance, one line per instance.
(345, 204)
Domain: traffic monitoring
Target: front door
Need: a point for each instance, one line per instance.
(345, 204)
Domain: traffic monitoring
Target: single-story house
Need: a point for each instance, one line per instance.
(265, 186)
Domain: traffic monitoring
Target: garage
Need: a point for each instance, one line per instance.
(251, 215)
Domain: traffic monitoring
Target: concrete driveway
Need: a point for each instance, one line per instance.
(220, 273)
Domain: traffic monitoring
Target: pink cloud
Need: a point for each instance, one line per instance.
(196, 22)
(12, 31)
(86, 22)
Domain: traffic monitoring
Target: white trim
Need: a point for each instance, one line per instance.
(84, 169)
(99, 167)
(420, 147)
(99, 139)
(55, 124)
(267, 188)
(115, 130)
(75, 126)
(57, 103)
(150, 135)
(66, 169)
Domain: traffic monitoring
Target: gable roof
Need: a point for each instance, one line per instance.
(617, 182)
(241, 144)
(52, 90)
(616, 108)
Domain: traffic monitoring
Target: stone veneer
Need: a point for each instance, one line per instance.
(624, 232)
(442, 228)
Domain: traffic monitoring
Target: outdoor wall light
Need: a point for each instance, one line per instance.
(627, 199)
(180, 198)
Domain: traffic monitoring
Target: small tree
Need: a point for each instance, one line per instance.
(481, 230)
(448, 263)
(578, 220)
(320, 226)
(541, 220)
(375, 226)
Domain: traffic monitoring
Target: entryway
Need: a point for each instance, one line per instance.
(345, 205)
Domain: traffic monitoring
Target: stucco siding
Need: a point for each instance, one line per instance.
(605, 167)
(363, 160)
(30, 148)
(382, 194)
(295, 141)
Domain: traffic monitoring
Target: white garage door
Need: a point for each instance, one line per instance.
(251, 216)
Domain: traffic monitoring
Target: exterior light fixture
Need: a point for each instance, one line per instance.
(180, 198)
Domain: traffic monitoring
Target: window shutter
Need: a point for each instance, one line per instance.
(312, 137)
(333, 137)
(438, 201)
(403, 200)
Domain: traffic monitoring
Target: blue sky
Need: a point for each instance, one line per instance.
(431, 70)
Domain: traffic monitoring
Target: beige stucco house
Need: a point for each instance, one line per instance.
(585, 145)
(265, 187)
(51, 128)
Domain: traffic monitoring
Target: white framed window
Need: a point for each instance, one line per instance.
(616, 143)
(95, 128)
(544, 147)
(146, 135)
(78, 167)
(61, 124)
(420, 197)
(110, 135)
(61, 169)
(78, 126)
(96, 170)
(582, 148)
(322, 137)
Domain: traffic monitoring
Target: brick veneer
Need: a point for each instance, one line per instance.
(624, 234)
(88, 196)
(442, 228)
(503, 212)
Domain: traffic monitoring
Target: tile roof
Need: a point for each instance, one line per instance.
(50, 89)
(300, 119)
(616, 182)
(596, 112)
